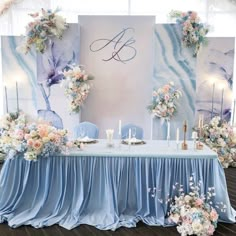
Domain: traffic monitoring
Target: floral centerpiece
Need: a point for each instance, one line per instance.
(194, 212)
(164, 103)
(38, 32)
(193, 31)
(33, 138)
(220, 137)
(77, 86)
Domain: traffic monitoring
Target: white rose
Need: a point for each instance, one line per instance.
(70, 85)
(187, 198)
(197, 227)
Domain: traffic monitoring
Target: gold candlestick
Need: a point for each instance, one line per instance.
(184, 144)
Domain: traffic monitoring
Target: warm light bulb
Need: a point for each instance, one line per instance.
(212, 80)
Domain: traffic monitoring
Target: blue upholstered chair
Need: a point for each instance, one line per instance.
(125, 131)
(86, 129)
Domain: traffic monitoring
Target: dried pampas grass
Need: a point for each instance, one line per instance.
(6, 4)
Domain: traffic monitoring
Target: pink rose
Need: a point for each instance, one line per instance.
(27, 136)
(210, 230)
(167, 97)
(19, 134)
(199, 202)
(166, 88)
(37, 145)
(187, 220)
(214, 215)
(30, 142)
(193, 15)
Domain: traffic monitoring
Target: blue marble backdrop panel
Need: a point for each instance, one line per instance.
(21, 68)
(215, 78)
(53, 105)
(173, 62)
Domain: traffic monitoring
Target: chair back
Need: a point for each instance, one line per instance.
(86, 129)
(125, 131)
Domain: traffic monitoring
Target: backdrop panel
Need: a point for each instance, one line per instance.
(118, 50)
(173, 62)
(60, 53)
(215, 78)
(34, 72)
(19, 68)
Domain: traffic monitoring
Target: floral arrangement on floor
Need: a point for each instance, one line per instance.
(221, 138)
(193, 31)
(35, 139)
(77, 86)
(164, 102)
(44, 27)
(194, 212)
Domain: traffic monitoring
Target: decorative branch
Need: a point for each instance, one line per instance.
(6, 5)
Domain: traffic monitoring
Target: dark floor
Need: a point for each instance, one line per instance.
(141, 229)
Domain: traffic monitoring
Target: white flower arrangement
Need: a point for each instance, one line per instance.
(32, 138)
(77, 86)
(39, 31)
(164, 102)
(193, 31)
(194, 212)
(220, 137)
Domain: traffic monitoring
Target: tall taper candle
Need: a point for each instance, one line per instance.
(17, 98)
(168, 130)
(177, 135)
(119, 127)
(222, 103)
(151, 132)
(6, 99)
(212, 100)
(233, 112)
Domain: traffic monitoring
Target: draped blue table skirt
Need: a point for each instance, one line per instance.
(105, 192)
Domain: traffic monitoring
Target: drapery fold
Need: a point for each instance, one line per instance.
(105, 192)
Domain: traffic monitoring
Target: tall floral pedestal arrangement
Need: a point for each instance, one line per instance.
(163, 108)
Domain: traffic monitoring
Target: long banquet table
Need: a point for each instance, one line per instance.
(106, 187)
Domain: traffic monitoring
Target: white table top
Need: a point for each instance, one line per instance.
(152, 148)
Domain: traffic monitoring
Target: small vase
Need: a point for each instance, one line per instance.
(160, 129)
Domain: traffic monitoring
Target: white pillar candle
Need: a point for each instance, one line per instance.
(119, 127)
(177, 135)
(194, 135)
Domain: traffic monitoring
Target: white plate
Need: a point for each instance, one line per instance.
(86, 140)
(133, 140)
